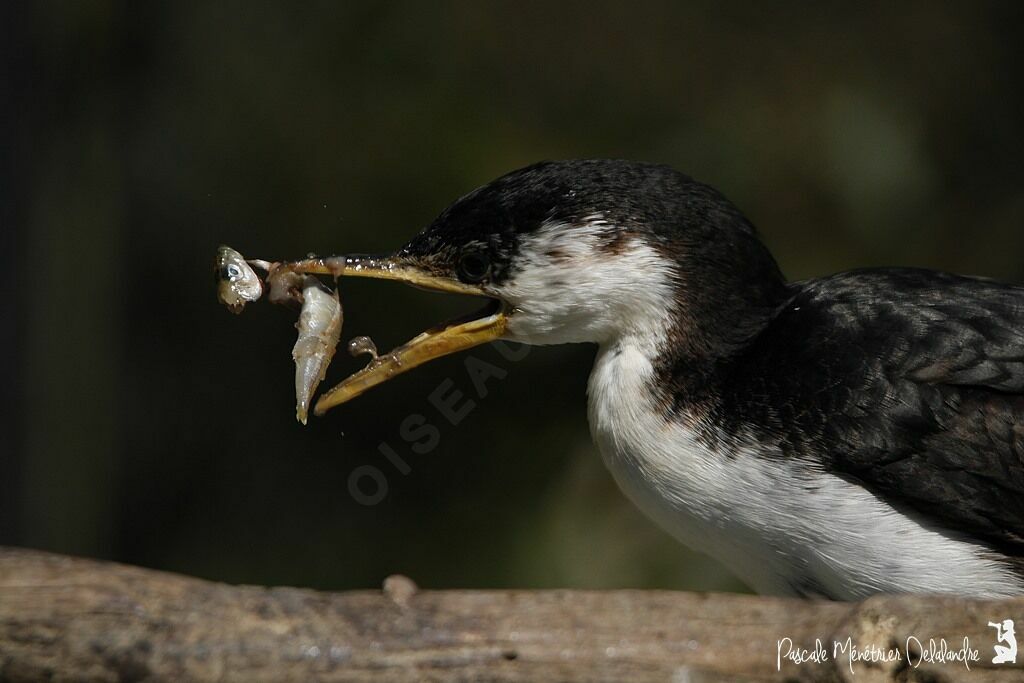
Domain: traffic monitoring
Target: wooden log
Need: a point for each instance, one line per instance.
(70, 619)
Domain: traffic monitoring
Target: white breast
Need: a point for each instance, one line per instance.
(781, 526)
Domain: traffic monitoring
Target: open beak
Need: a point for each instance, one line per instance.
(441, 340)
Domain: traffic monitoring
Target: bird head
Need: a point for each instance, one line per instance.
(576, 251)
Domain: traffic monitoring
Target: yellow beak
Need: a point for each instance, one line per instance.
(439, 341)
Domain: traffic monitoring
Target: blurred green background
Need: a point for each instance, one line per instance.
(144, 423)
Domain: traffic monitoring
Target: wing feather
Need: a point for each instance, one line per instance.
(908, 381)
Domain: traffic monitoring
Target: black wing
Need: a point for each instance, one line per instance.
(911, 382)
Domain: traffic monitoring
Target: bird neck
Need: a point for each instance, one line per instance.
(680, 351)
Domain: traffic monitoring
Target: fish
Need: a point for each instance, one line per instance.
(237, 283)
(319, 328)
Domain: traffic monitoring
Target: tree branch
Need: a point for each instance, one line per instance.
(65, 618)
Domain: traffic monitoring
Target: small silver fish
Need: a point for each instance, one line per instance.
(319, 331)
(237, 282)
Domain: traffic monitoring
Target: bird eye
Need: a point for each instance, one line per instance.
(474, 267)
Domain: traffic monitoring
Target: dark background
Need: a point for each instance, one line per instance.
(142, 422)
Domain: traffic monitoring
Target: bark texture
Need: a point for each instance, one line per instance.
(69, 619)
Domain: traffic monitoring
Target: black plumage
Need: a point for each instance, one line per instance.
(908, 381)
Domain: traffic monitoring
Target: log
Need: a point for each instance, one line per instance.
(70, 619)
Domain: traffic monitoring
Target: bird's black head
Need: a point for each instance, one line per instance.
(612, 198)
(594, 251)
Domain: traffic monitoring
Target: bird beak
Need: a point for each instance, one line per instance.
(441, 340)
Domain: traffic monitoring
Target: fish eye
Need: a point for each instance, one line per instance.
(232, 271)
(474, 266)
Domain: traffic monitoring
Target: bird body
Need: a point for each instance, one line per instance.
(835, 437)
(729, 466)
(783, 525)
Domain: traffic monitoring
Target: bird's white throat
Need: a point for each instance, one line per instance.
(587, 282)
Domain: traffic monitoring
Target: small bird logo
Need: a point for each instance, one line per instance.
(1005, 654)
